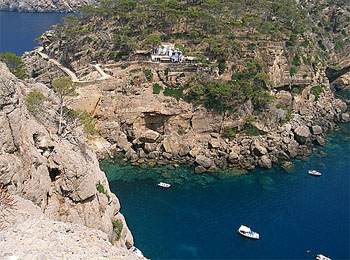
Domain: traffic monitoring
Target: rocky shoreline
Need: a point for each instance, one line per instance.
(150, 127)
(310, 122)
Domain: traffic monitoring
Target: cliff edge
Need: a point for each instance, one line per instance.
(31, 235)
(59, 176)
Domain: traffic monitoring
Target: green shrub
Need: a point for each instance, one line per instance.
(281, 106)
(117, 228)
(249, 129)
(34, 101)
(15, 64)
(135, 70)
(322, 46)
(251, 118)
(287, 117)
(173, 92)
(296, 60)
(306, 60)
(157, 88)
(339, 46)
(148, 75)
(316, 90)
(296, 90)
(166, 71)
(222, 66)
(292, 71)
(102, 190)
(120, 56)
(251, 46)
(304, 43)
(229, 133)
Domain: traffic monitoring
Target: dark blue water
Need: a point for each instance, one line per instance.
(293, 212)
(18, 30)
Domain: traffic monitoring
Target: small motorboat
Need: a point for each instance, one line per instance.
(314, 173)
(322, 257)
(136, 251)
(247, 232)
(164, 185)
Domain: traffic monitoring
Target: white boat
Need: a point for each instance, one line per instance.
(322, 257)
(136, 251)
(164, 185)
(315, 173)
(247, 232)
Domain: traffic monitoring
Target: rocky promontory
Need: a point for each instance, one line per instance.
(59, 175)
(44, 5)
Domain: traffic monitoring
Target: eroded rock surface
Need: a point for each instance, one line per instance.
(60, 176)
(30, 235)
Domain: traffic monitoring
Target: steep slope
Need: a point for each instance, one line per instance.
(31, 235)
(59, 176)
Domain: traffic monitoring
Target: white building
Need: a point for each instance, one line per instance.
(167, 53)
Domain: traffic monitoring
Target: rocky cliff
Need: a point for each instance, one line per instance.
(44, 5)
(145, 108)
(57, 175)
(150, 127)
(31, 235)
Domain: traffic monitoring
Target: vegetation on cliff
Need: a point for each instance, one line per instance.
(66, 119)
(230, 33)
(15, 64)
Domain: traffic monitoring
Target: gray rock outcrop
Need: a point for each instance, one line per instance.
(44, 5)
(302, 134)
(30, 235)
(59, 176)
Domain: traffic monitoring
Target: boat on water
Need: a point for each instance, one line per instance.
(314, 172)
(164, 185)
(322, 257)
(136, 251)
(247, 232)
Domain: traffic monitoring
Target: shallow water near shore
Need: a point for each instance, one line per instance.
(18, 30)
(199, 218)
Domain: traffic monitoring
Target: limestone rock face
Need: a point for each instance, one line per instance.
(61, 177)
(44, 5)
(30, 234)
(316, 130)
(258, 149)
(204, 161)
(302, 134)
(149, 136)
(265, 162)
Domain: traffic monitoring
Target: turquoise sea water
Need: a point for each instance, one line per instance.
(18, 30)
(199, 218)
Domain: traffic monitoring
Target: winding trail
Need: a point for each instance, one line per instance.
(71, 74)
